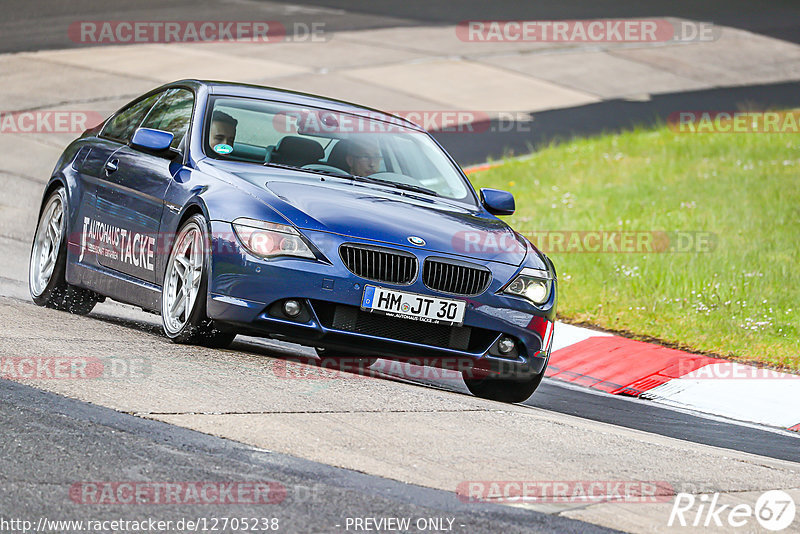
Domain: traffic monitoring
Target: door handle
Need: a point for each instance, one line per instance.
(112, 165)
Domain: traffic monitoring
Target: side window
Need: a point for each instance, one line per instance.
(123, 124)
(172, 114)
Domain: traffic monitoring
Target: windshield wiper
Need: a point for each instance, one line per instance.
(398, 185)
(314, 171)
(291, 167)
(365, 179)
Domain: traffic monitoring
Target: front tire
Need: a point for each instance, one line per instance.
(504, 389)
(48, 262)
(185, 288)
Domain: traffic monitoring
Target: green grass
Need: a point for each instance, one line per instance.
(741, 300)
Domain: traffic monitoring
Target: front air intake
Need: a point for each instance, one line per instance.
(455, 277)
(380, 264)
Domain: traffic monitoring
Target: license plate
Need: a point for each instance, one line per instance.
(423, 308)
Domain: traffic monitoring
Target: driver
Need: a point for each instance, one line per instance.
(223, 129)
(364, 157)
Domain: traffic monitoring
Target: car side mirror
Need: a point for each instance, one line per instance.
(498, 202)
(150, 140)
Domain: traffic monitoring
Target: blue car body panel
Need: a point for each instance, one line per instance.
(147, 196)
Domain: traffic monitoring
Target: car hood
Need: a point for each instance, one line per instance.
(372, 213)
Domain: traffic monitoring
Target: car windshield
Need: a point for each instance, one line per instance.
(367, 149)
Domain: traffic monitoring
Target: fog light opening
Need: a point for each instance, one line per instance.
(292, 308)
(506, 345)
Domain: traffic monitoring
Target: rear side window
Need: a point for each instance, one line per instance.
(123, 124)
(172, 114)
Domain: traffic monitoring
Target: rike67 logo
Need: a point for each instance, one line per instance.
(774, 510)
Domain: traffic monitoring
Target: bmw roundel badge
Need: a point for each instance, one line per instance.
(414, 240)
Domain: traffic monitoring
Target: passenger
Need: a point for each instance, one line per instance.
(223, 129)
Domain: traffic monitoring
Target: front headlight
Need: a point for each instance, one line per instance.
(269, 240)
(532, 284)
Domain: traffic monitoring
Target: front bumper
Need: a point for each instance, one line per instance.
(244, 290)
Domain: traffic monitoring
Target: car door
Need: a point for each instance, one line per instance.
(131, 192)
(89, 165)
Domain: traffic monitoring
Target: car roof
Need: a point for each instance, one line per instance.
(292, 97)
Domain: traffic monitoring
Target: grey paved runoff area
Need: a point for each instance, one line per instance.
(50, 443)
(414, 442)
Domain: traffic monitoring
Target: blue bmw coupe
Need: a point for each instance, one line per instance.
(230, 208)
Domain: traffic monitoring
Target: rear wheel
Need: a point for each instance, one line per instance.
(48, 263)
(504, 389)
(183, 294)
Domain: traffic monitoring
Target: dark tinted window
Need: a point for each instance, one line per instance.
(172, 114)
(124, 123)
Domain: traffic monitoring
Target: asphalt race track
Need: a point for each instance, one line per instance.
(83, 439)
(346, 446)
